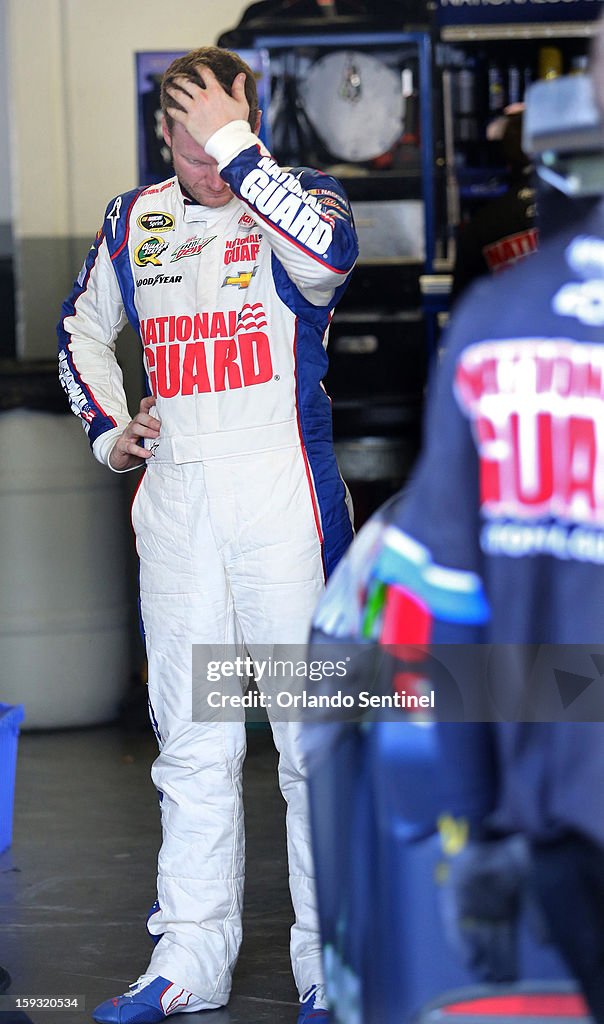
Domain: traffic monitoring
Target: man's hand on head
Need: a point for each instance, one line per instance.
(204, 110)
(127, 452)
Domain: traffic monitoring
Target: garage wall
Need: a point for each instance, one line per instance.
(5, 148)
(72, 105)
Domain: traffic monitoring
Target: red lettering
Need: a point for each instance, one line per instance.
(562, 376)
(545, 369)
(180, 367)
(219, 327)
(593, 381)
(533, 457)
(239, 249)
(581, 467)
(149, 332)
(184, 328)
(473, 380)
(168, 365)
(200, 326)
(255, 356)
(467, 381)
(225, 354)
(161, 322)
(490, 461)
(541, 443)
(194, 370)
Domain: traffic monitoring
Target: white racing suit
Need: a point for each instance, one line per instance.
(241, 512)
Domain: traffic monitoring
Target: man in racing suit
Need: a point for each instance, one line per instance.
(229, 273)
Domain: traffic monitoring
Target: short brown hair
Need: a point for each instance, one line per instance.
(225, 64)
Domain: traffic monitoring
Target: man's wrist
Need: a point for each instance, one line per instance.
(104, 445)
(230, 140)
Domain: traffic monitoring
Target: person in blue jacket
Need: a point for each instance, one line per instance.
(499, 540)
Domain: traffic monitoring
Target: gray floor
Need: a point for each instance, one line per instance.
(76, 885)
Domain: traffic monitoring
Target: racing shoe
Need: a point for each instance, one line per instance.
(314, 1007)
(149, 1000)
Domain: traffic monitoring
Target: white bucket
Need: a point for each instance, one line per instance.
(64, 600)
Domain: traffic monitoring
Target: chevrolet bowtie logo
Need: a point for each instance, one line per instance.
(242, 279)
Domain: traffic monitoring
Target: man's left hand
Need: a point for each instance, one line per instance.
(204, 111)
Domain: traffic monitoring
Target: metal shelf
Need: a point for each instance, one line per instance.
(530, 30)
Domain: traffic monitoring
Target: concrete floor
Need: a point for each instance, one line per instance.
(76, 886)
(79, 879)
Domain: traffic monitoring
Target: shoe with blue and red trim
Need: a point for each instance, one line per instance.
(150, 1000)
(314, 1007)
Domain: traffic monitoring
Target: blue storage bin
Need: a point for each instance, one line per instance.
(10, 719)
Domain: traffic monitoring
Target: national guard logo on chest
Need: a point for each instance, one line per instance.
(222, 350)
(149, 251)
(241, 250)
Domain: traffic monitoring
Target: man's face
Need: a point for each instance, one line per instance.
(196, 171)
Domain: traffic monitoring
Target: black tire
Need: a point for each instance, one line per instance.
(4, 980)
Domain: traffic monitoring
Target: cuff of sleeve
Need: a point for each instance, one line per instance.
(229, 141)
(102, 448)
